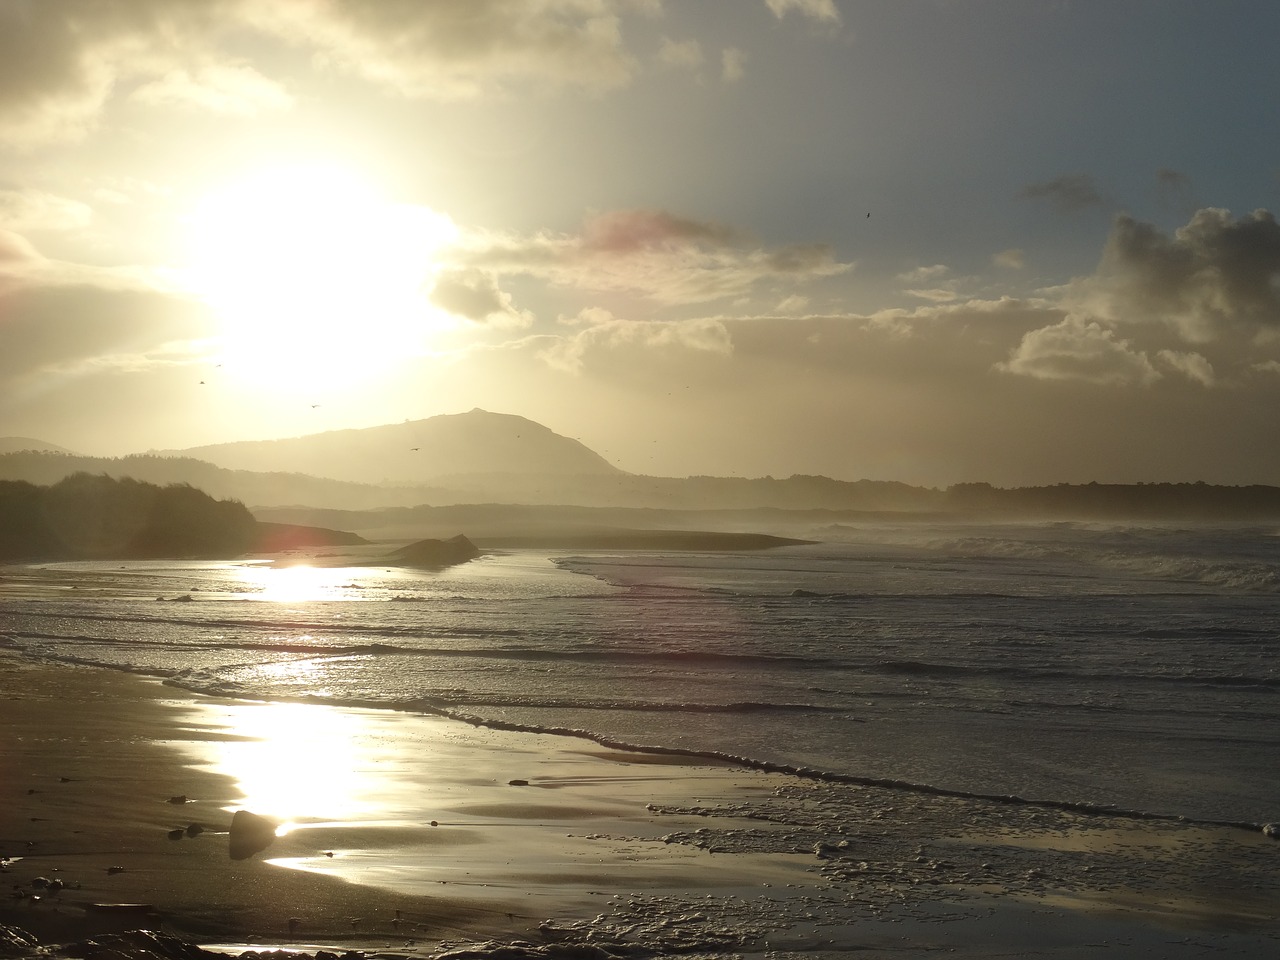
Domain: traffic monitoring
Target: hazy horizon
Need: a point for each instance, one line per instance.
(1015, 243)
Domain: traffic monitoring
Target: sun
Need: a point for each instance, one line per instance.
(314, 275)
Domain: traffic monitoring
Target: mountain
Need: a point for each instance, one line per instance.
(616, 490)
(21, 444)
(464, 444)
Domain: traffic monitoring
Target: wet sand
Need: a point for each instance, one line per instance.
(415, 835)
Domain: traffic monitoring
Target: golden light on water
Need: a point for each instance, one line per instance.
(301, 584)
(299, 762)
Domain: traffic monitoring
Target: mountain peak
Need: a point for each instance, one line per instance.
(416, 451)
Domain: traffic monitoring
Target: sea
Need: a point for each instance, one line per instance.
(1094, 666)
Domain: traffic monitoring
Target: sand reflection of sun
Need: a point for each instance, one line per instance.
(298, 761)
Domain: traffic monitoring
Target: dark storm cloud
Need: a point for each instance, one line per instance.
(1067, 194)
(61, 60)
(1212, 276)
(58, 327)
(1214, 283)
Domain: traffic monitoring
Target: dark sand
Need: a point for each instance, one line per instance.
(628, 852)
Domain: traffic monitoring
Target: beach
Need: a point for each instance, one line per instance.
(433, 835)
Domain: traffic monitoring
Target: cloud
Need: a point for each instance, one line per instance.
(602, 333)
(1214, 276)
(1191, 365)
(1172, 179)
(920, 274)
(16, 254)
(623, 231)
(1067, 194)
(52, 82)
(652, 253)
(23, 266)
(823, 10)
(936, 294)
(950, 346)
(1011, 259)
(1076, 349)
(61, 62)
(55, 329)
(474, 295)
(457, 49)
(232, 89)
(792, 304)
(680, 54)
(733, 64)
(24, 210)
(943, 293)
(1213, 283)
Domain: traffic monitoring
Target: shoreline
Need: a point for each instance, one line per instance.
(414, 834)
(86, 799)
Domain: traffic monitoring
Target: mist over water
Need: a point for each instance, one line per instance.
(1127, 666)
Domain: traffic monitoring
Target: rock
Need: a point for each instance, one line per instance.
(136, 945)
(435, 554)
(16, 942)
(251, 833)
(194, 830)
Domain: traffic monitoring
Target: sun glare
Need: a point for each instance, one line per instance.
(295, 761)
(314, 275)
(302, 584)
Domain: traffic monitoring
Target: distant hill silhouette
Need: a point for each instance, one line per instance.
(415, 451)
(97, 517)
(249, 487)
(1119, 501)
(481, 459)
(599, 490)
(18, 444)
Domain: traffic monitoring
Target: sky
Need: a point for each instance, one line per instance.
(935, 241)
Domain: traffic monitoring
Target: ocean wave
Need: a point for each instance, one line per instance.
(217, 683)
(768, 766)
(1213, 559)
(924, 668)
